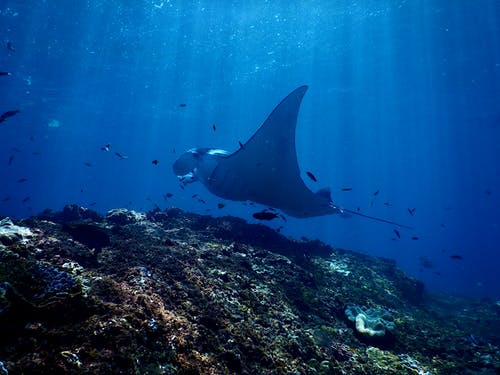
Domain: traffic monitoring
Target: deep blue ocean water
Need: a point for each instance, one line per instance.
(403, 99)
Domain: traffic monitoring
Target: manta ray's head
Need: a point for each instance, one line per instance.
(197, 163)
(187, 162)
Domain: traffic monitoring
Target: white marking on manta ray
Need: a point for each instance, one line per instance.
(264, 170)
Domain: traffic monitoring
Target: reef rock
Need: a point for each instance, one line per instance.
(10, 233)
(171, 292)
(122, 216)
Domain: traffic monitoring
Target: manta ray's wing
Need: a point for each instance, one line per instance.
(265, 168)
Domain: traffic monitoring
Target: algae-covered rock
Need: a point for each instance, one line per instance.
(90, 235)
(4, 301)
(10, 233)
(122, 216)
(70, 213)
(388, 363)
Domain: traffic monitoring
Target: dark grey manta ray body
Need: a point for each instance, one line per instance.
(263, 170)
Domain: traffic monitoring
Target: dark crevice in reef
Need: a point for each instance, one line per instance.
(170, 292)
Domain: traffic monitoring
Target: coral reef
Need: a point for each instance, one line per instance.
(169, 292)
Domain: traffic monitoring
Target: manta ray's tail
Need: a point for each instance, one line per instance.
(343, 210)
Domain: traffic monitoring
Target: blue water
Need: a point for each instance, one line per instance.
(403, 98)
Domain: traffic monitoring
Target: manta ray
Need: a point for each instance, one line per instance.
(264, 170)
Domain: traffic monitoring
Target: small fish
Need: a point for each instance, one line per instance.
(194, 195)
(201, 201)
(388, 204)
(487, 192)
(121, 156)
(168, 195)
(411, 211)
(5, 74)
(241, 145)
(26, 199)
(92, 204)
(414, 238)
(346, 189)
(21, 180)
(15, 149)
(311, 176)
(220, 205)
(265, 215)
(214, 127)
(36, 153)
(425, 262)
(32, 138)
(376, 193)
(6, 199)
(182, 105)
(106, 147)
(11, 159)
(10, 46)
(155, 162)
(279, 228)
(4, 116)
(396, 232)
(456, 257)
(87, 164)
